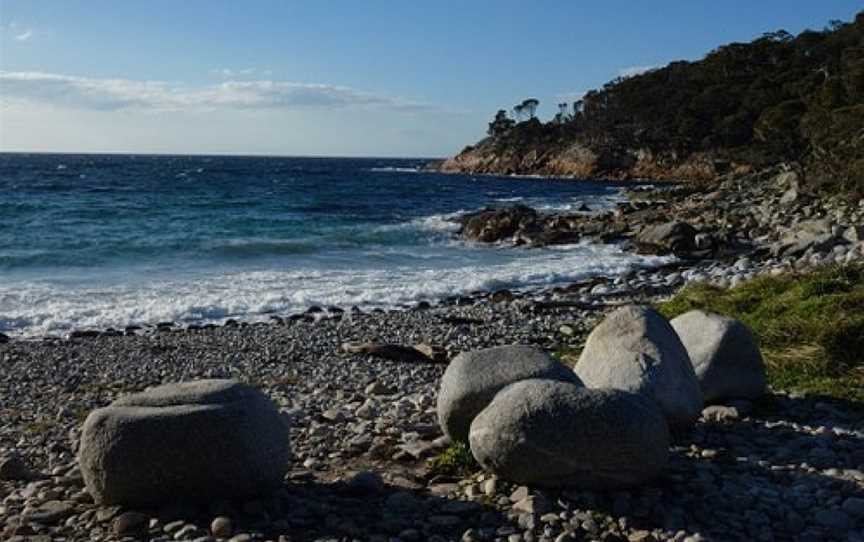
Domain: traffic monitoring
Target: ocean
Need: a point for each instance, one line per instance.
(98, 241)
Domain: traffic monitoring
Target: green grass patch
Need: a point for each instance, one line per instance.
(810, 326)
(38, 427)
(456, 460)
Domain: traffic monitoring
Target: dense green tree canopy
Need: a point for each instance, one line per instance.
(778, 98)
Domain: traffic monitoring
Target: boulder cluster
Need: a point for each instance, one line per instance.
(606, 423)
(527, 417)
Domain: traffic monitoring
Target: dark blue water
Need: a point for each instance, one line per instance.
(97, 241)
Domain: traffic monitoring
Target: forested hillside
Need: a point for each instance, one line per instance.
(780, 98)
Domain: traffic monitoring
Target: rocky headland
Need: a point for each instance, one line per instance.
(579, 160)
(741, 108)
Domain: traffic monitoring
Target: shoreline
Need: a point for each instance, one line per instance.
(658, 277)
(61, 315)
(742, 262)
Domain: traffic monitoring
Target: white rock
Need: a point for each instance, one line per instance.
(635, 349)
(725, 356)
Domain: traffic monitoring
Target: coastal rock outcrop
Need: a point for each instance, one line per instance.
(558, 434)
(493, 225)
(807, 235)
(473, 378)
(724, 354)
(635, 349)
(192, 440)
(675, 237)
(580, 160)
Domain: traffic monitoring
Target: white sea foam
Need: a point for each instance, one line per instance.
(392, 169)
(37, 308)
(435, 223)
(594, 203)
(439, 223)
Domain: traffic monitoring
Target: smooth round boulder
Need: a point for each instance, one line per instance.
(724, 354)
(635, 349)
(192, 440)
(473, 378)
(556, 434)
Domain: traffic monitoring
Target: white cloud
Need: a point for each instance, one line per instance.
(633, 71)
(24, 35)
(125, 94)
(17, 31)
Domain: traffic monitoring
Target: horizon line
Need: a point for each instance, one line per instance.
(225, 154)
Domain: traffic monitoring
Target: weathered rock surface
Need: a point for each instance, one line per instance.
(473, 378)
(724, 354)
(497, 224)
(674, 237)
(636, 349)
(557, 434)
(807, 235)
(193, 440)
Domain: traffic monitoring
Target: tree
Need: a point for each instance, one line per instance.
(563, 114)
(834, 25)
(518, 111)
(530, 106)
(500, 124)
(780, 36)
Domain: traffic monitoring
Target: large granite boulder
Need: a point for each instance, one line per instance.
(473, 378)
(193, 440)
(724, 354)
(635, 349)
(554, 434)
(674, 237)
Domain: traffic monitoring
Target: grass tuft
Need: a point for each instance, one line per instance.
(810, 326)
(456, 460)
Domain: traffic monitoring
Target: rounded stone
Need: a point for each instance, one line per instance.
(193, 440)
(556, 434)
(725, 356)
(473, 378)
(15, 468)
(635, 349)
(131, 524)
(222, 527)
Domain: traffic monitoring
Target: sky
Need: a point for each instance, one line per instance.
(334, 77)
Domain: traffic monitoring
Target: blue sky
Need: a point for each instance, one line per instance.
(319, 77)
